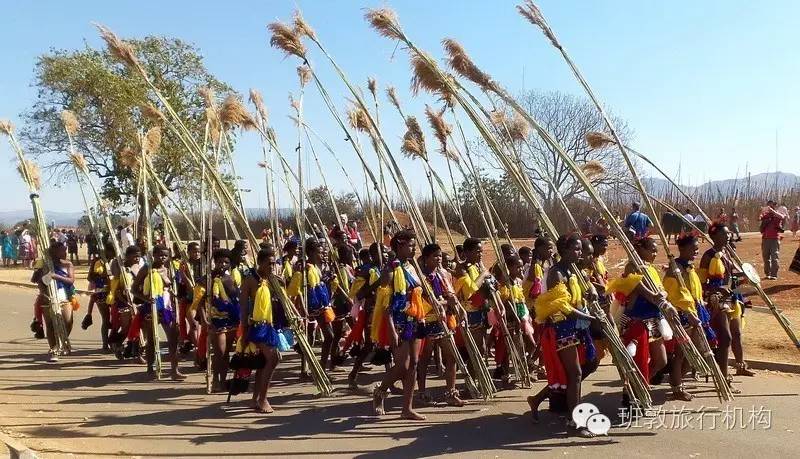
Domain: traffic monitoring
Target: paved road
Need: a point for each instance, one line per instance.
(90, 405)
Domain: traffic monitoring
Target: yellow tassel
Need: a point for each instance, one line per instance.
(553, 302)
(262, 305)
(716, 268)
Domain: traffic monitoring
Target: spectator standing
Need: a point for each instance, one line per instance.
(734, 218)
(91, 245)
(638, 221)
(795, 220)
(771, 227)
(700, 222)
(72, 247)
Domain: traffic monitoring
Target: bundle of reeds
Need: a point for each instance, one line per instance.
(31, 175)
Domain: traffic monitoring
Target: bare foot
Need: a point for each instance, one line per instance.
(412, 416)
(264, 408)
(377, 401)
(680, 394)
(534, 403)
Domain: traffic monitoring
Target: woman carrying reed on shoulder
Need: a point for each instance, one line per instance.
(566, 342)
(64, 275)
(432, 330)
(223, 314)
(644, 328)
(532, 286)
(364, 290)
(152, 289)
(265, 323)
(318, 300)
(406, 313)
(470, 289)
(687, 297)
(99, 280)
(726, 307)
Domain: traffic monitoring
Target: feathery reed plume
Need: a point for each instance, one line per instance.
(391, 93)
(151, 141)
(257, 100)
(233, 113)
(71, 124)
(384, 20)
(498, 118)
(414, 140)
(208, 96)
(593, 169)
(358, 119)
(152, 113)
(428, 79)
(372, 85)
(304, 72)
(461, 63)
(119, 49)
(128, 159)
(78, 161)
(301, 27)
(29, 170)
(531, 12)
(6, 127)
(451, 155)
(518, 127)
(295, 104)
(598, 139)
(214, 125)
(440, 128)
(286, 39)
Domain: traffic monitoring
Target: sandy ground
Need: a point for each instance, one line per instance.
(90, 405)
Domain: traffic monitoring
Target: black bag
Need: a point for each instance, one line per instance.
(795, 266)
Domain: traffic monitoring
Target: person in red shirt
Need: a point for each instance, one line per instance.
(771, 228)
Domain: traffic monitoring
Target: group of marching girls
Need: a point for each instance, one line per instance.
(396, 307)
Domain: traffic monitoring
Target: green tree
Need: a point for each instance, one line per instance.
(346, 203)
(108, 101)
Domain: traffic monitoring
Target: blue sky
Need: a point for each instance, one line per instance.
(707, 82)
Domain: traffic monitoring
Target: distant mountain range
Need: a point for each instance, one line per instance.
(11, 217)
(757, 183)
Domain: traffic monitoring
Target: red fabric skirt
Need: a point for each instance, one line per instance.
(556, 375)
(637, 331)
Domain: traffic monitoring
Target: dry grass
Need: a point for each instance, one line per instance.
(78, 160)
(593, 169)
(598, 139)
(234, 114)
(287, 40)
(462, 64)
(304, 73)
(152, 113)
(426, 77)
(440, 128)
(120, 49)
(301, 27)
(258, 101)
(29, 171)
(71, 124)
(384, 21)
(414, 140)
(152, 141)
(6, 127)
